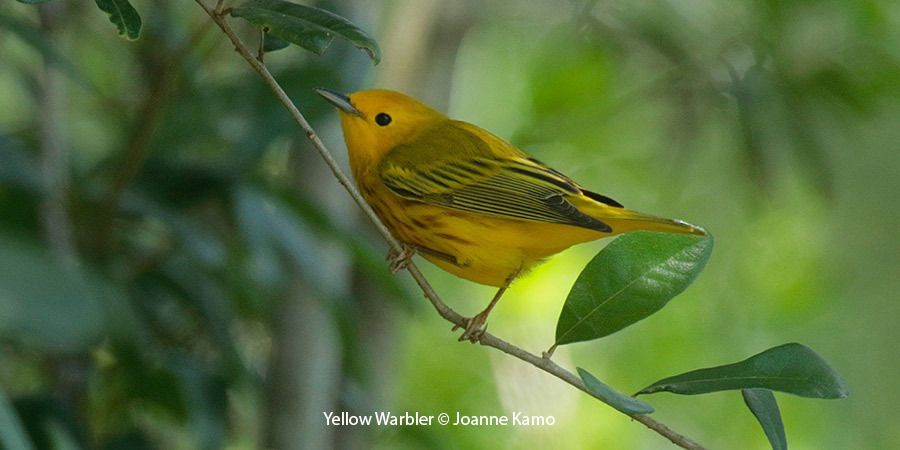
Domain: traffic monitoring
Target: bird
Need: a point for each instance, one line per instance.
(467, 200)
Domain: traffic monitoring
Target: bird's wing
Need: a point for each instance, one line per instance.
(462, 167)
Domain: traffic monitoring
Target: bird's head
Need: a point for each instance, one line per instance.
(375, 121)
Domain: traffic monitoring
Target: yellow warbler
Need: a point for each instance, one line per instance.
(467, 200)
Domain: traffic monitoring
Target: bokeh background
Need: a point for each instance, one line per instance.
(179, 270)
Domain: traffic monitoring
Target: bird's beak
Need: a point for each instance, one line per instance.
(340, 100)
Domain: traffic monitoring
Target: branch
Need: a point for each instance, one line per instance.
(55, 151)
(543, 363)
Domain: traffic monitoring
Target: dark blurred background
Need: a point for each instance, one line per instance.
(179, 270)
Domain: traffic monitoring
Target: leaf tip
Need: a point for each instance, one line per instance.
(374, 54)
(121, 14)
(842, 390)
(375, 60)
(621, 402)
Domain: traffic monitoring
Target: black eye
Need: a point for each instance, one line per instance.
(382, 119)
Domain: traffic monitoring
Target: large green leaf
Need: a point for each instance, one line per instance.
(123, 16)
(764, 407)
(308, 27)
(630, 279)
(618, 400)
(791, 368)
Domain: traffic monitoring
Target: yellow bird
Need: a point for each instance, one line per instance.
(467, 200)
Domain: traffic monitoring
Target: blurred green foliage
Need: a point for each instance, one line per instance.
(178, 271)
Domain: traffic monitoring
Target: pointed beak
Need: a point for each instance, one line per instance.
(340, 100)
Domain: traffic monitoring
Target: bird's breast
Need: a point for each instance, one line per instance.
(479, 248)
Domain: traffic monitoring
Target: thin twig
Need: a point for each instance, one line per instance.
(261, 51)
(445, 311)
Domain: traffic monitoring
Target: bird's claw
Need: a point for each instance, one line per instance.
(475, 328)
(399, 259)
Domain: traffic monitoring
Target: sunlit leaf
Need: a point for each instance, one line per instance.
(309, 27)
(764, 407)
(123, 16)
(630, 279)
(618, 400)
(791, 368)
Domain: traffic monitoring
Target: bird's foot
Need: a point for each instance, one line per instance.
(399, 259)
(475, 328)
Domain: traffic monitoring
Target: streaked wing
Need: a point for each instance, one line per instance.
(458, 170)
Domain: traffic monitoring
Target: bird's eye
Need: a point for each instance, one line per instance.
(382, 119)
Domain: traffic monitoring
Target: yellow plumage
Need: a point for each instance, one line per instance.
(466, 200)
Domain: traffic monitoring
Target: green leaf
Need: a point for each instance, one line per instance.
(763, 405)
(618, 400)
(33, 2)
(272, 43)
(12, 432)
(791, 368)
(123, 16)
(630, 279)
(308, 27)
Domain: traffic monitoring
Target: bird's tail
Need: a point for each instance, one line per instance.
(623, 220)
